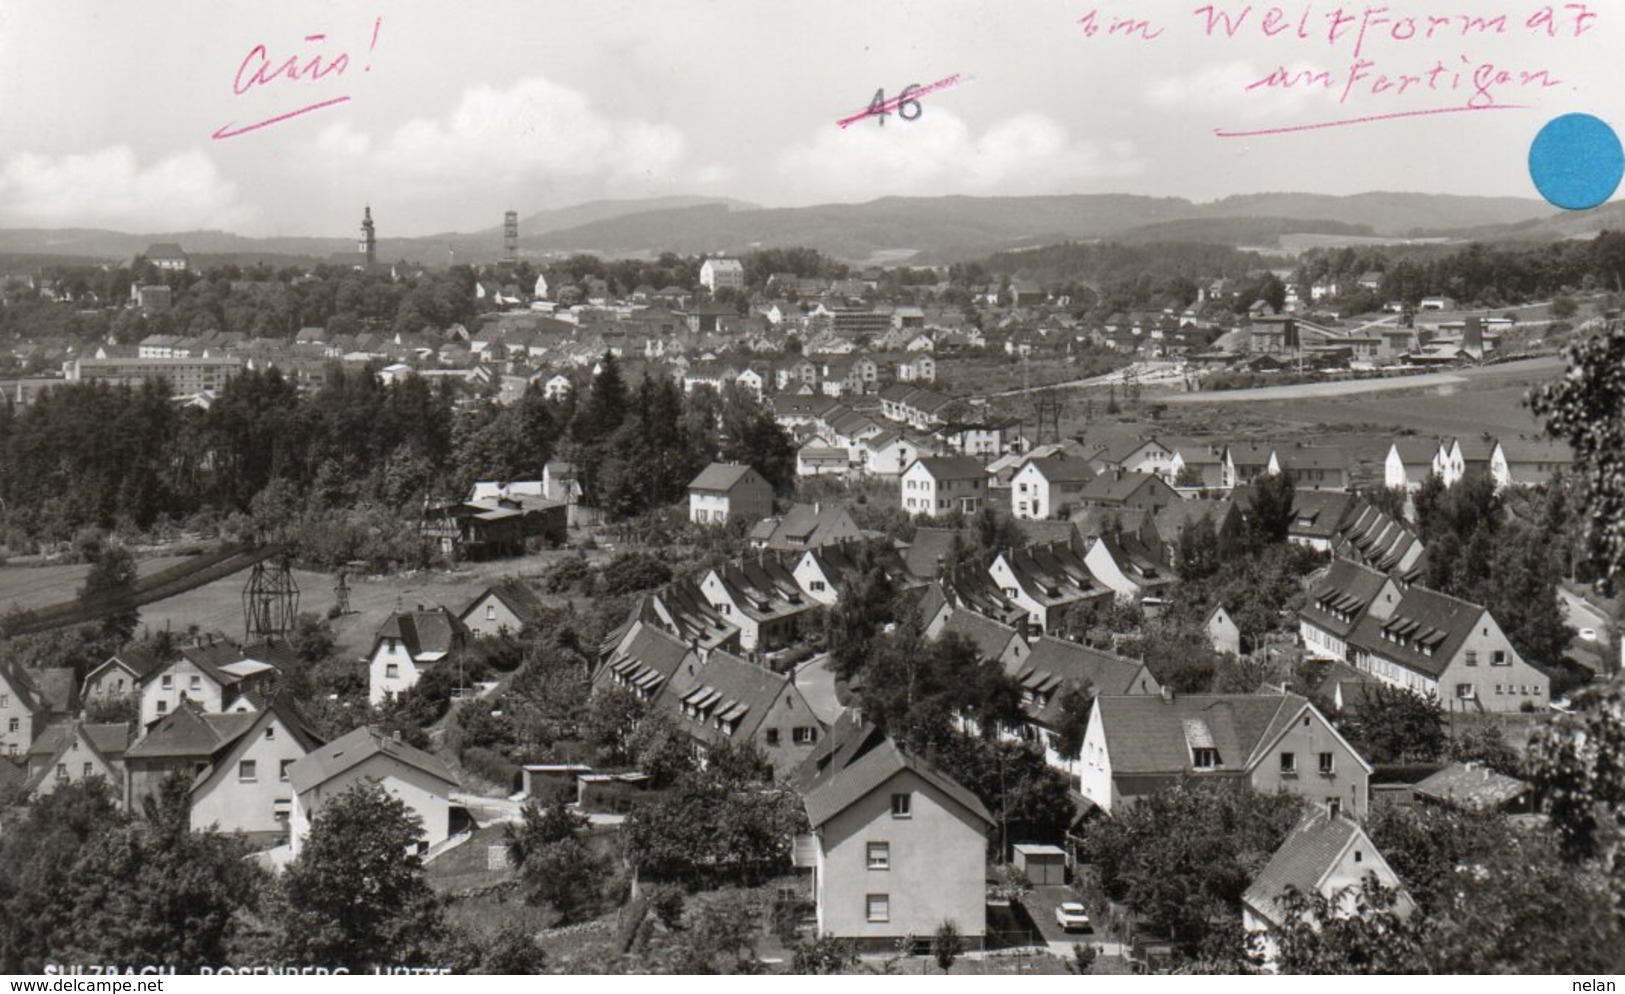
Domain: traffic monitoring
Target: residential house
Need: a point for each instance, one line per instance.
(419, 780)
(717, 698)
(1222, 631)
(995, 641)
(1137, 455)
(726, 492)
(761, 597)
(1409, 463)
(1046, 581)
(1138, 745)
(407, 644)
(1118, 489)
(1320, 467)
(897, 848)
(1460, 457)
(888, 453)
(1055, 668)
(1529, 462)
(73, 752)
(718, 274)
(212, 673)
(818, 459)
(642, 660)
(1338, 602)
(940, 485)
(1432, 643)
(921, 367)
(502, 609)
(1196, 466)
(560, 482)
(1245, 462)
(497, 521)
(1129, 568)
(1043, 488)
(805, 526)
(1325, 855)
(23, 714)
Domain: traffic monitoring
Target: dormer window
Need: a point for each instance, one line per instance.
(1204, 758)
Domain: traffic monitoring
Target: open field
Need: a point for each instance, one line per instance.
(26, 587)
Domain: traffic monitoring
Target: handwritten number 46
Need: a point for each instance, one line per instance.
(879, 107)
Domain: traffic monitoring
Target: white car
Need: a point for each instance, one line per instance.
(1071, 916)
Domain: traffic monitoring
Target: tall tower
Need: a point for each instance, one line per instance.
(510, 235)
(368, 244)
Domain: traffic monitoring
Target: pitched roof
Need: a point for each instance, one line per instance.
(432, 632)
(1424, 632)
(1310, 852)
(1056, 661)
(720, 477)
(648, 659)
(514, 594)
(1475, 788)
(355, 748)
(990, 637)
(932, 549)
(872, 771)
(1149, 735)
(1116, 487)
(1060, 469)
(187, 732)
(1346, 591)
(729, 688)
(952, 467)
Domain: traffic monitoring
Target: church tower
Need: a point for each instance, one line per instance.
(368, 245)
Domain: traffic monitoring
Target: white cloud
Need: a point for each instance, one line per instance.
(938, 154)
(1224, 88)
(109, 187)
(533, 130)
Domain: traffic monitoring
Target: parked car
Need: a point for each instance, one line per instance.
(1071, 916)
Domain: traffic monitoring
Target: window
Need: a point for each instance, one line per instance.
(1464, 691)
(772, 736)
(270, 733)
(818, 585)
(879, 855)
(879, 907)
(163, 707)
(88, 769)
(804, 736)
(282, 772)
(1289, 762)
(392, 670)
(5, 700)
(1334, 806)
(1358, 856)
(902, 806)
(62, 771)
(246, 771)
(1326, 763)
(1472, 658)
(1499, 658)
(197, 683)
(168, 682)
(12, 725)
(1204, 758)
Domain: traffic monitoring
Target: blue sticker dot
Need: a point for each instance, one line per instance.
(1576, 162)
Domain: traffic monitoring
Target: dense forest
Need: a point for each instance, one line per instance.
(124, 457)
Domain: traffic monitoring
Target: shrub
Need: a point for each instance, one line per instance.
(493, 766)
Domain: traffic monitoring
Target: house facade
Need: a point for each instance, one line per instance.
(1138, 745)
(1043, 487)
(941, 485)
(407, 644)
(899, 849)
(421, 781)
(726, 492)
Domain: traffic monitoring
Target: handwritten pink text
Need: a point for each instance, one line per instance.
(260, 71)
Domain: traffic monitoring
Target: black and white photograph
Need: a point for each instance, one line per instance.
(1043, 488)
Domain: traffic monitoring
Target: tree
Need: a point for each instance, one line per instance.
(111, 580)
(824, 954)
(722, 935)
(711, 828)
(566, 874)
(512, 950)
(946, 945)
(1269, 516)
(357, 896)
(1076, 705)
(158, 893)
(1361, 930)
(1585, 409)
(1575, 762)
(1563, 308)
(1394, 725)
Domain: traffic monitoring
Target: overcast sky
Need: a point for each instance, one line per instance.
(463, 110)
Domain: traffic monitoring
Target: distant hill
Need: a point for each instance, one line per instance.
(919, 229)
